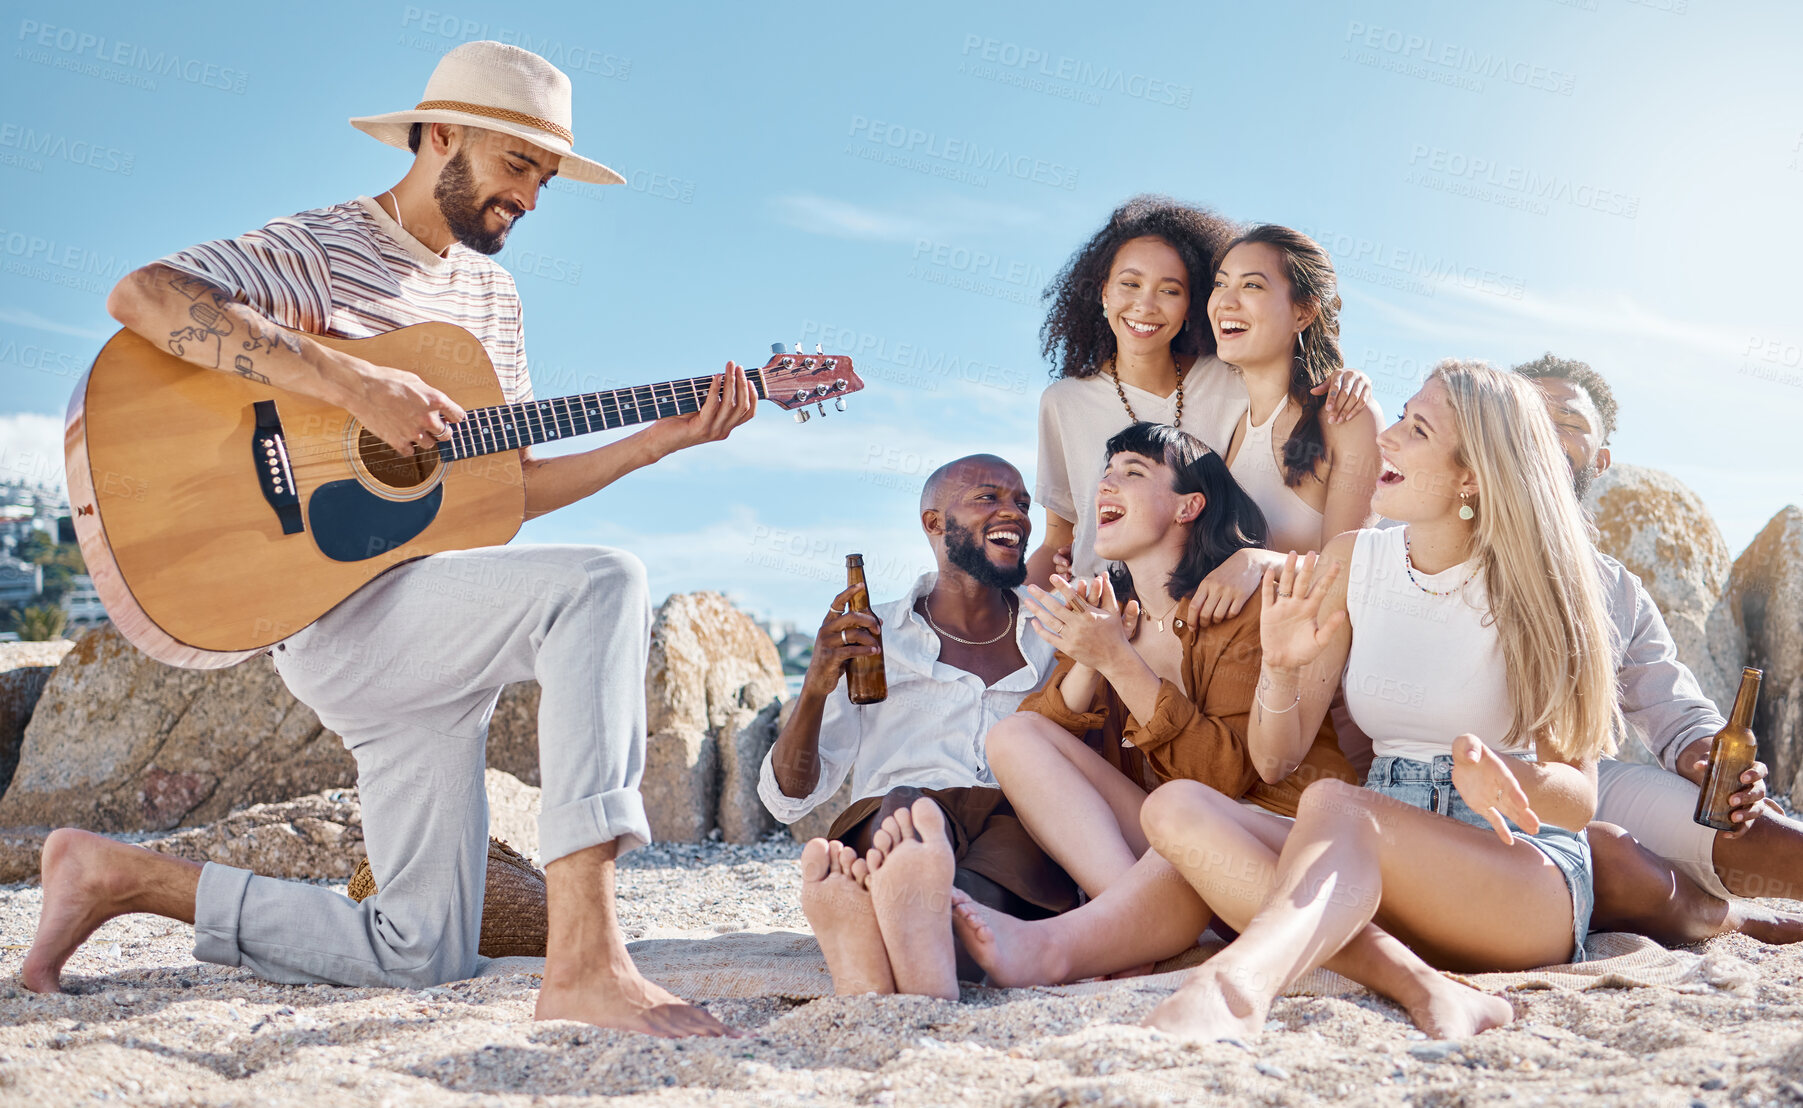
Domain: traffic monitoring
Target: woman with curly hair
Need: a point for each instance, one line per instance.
(1129, 338)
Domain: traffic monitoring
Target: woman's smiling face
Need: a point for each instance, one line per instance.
(1251, 308)
(1147, 296)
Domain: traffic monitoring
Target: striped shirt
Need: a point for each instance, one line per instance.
(351, 271)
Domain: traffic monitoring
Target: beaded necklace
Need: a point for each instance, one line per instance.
(1409, 564)
(1177, 420)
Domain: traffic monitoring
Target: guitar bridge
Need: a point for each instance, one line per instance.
(275, 475)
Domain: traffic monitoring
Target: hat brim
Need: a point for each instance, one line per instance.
(392, 129)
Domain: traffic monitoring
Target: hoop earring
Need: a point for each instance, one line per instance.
(1465, 510)
(1301, 349)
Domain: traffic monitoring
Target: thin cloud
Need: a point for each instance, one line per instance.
(938, 218)
(31, 449)
(25, 317)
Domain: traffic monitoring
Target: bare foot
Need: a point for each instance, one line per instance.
(911, 870)
(1013, 952)
(838, 907)
(1211, 1005)
(1455, 1011)
(622, 999)
(88, 879)
(1765, 924)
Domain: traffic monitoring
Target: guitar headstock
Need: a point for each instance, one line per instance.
(798, 381)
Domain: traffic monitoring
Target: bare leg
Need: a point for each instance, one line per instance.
(1078, 808)
(1150, 914)
(588, 974)
(839, 910)
(1767, 861)
(88, 879)
(1638, 891)
(1241, 876)
(911, 870)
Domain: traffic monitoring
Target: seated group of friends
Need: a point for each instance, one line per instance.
(1346, 695)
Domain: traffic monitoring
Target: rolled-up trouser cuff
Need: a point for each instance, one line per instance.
(616, 815)
(218, 906)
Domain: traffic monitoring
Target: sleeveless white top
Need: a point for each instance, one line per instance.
(1291, 522)
(1423, 669)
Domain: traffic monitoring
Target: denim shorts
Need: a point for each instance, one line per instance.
(1428, 786)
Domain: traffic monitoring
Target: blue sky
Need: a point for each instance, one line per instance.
(1615, 180)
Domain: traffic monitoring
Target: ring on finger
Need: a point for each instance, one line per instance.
(842, 638)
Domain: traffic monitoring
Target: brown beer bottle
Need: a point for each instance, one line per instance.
(1731, 756)
(864, 680)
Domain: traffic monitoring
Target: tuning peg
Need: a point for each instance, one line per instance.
(821, 406)
(798, 348)
(817, 349)
(802, 414)
(778, 348)
(839, 403)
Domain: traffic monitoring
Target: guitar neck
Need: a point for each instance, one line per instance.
(513, 426)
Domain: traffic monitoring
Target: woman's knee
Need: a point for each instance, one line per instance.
(1331, 796)
(1015, 740)
(1176, 811)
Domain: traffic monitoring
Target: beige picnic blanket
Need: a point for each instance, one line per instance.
(747, 964)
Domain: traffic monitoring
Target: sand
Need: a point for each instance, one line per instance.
(146, 1024)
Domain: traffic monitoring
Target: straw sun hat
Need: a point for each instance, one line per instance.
(502, 88)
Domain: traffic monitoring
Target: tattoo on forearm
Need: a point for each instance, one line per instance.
(210, 326)
(190, 287)
(245, 368)
(267, 336)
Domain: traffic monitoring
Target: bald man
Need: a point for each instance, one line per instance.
(958, 658)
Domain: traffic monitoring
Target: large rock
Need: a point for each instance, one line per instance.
(513, 809)
(513, 735)
(1768, 595)
(1661, 531)
(25, 667)
(709, 663)
(120, 742)
(681, 788)
(742, 744)
(308, 837)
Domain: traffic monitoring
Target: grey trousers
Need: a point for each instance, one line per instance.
(407, 670)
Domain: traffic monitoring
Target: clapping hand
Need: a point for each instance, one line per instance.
(1083, 619)
(1487, 787)
(1290, 628)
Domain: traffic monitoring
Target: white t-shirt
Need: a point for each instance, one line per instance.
(1425, 667)
(1077, 417)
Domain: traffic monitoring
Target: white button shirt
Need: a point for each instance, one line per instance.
(929, 732)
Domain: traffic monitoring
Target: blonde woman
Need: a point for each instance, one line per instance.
(1476, 651)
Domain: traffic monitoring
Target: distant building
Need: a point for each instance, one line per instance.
(20, 582)
(81, 604)
(796, 650)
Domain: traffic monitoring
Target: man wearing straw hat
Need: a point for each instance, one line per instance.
(407, 670)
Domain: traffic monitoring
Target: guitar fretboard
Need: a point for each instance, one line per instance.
(512, 426)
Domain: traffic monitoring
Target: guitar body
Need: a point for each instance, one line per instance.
(200, 560)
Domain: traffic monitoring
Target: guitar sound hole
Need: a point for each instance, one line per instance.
(393, 469)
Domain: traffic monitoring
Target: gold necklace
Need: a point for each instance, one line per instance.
(926, 609)
(1167, 615)
(1176, 421)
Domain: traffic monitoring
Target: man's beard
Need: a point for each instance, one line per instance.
(468, 219)
(1581, 479)
(964, 550)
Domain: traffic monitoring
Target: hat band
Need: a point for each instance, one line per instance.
(505, 114)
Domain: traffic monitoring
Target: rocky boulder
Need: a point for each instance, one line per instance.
(1660, 530)
(711, 671)
(25, 667)
(308, 837)
(120, 742)
(742, 744)
(513, 736)
(1768, 596)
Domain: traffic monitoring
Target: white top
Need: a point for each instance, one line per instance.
(1077, 417)
(928, 733)
(1291, 522)
(1423, 669)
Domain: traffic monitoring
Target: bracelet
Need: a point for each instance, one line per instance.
(1258, 698)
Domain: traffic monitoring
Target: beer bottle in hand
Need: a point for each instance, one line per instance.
(864, 680)
(1730, 756)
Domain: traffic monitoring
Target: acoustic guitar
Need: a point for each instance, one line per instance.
(218, 515)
